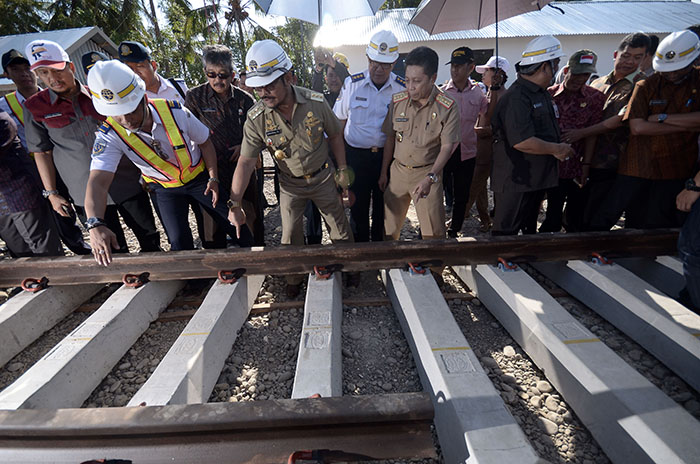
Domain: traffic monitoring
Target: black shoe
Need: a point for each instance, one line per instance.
(452, 234)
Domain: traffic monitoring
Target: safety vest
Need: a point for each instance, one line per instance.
(177, 175)
(15, 106)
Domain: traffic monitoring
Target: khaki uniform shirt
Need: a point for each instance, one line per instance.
(301, 140)
(421, 130)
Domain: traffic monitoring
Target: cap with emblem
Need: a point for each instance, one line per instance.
(45, 53)
(12, 57)
(134, 52)
(265, 62)
(492, 62)
(583, 62)
(89, 59)
(461, 55)
(342, 59)
(383, 47)
(116, 90)
(676, 51)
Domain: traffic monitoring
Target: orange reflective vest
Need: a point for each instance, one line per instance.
(15, 106)
(177, 174)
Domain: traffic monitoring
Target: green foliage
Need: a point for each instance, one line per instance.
(393, 4)
(296, 38)
(21, 16)
(119, 19)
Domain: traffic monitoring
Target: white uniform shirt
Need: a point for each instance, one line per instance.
(168, 91)
(365, 108)
(4, 106)
(109, 147)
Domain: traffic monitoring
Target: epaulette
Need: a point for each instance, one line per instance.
(357, 77)
(397, 97)
(104, 128)
(401, 81)
(444, 100)
(256, 110)
(174, 104)
(315, 96)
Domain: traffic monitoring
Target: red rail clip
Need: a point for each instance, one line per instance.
(325, 272)
(135, 280)
(231, 277)
(34, 285)
(599, 259)
(506, 266)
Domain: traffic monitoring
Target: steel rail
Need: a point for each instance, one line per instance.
(357, 257)
(379, 426)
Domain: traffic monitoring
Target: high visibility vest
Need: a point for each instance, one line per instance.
(177, 174)
(15, 106)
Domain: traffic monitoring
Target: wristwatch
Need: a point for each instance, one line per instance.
(233, 204)
(662, 117)
(433, 177)
(48, 193)
(93, 222)
(690, 185)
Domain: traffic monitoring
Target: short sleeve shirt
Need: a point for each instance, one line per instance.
(672, 156)
(472, 102)
(576, 111)
(110, 148)
(420, 131)
(68, 128)
(301, 140)
(167, 90)
(525, 110)
(365, 107)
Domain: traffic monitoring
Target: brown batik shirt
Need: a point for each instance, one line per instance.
(225, 118)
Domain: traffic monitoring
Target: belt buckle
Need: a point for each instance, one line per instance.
(374, 149)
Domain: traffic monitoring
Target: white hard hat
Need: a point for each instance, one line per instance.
(265, 62)
(541, 49)
(676, 51)
(116, 90)
(491, 63)
(383, 47)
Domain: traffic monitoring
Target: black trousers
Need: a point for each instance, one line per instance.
(68, 230)
(367, 166)
(137, 215)
(595, 193)
(566, 193)
(515, 212)
(648, 204)
(459, 175)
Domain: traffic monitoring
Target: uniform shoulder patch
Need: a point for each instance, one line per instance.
(397, 97)
(444, 100)
(401, 81)
(316, 96)
(104, 128)
(174, 104)
(256, 110)
(357, 77)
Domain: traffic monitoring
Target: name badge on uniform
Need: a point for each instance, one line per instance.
(273, 132)
(657, 102)
(401, 119)
(537, 105)
(556, 110)
(53, 115)
(363, 99)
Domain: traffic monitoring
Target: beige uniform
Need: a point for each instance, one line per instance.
(418, 132)
(301, 154)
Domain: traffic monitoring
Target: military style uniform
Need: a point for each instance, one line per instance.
(300, 152)
(419, 132)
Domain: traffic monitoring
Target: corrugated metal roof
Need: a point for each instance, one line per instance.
(579, 18)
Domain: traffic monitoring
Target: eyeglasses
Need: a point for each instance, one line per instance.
(222, 76)
(269, 87)
(379, 64)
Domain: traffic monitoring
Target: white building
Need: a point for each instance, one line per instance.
(596, 25)
(76, 42)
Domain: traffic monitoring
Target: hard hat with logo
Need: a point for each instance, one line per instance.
(541, 49)
(265, 62)
(342, 59)
(676, 51)
(116, 90)
(383, 47)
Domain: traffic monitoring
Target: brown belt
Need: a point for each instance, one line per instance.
(310, 175)
(414, 167)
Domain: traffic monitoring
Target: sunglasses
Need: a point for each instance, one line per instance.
(222, 76)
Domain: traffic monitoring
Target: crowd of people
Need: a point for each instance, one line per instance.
(132, 144)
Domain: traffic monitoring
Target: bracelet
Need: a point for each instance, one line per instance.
(213, 179)
(48, 193)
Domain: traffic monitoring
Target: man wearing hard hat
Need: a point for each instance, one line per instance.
(527, 140)
(661, 155)
(166, 142)
(362, 107)
(291, 122)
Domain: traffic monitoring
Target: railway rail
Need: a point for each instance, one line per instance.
(169, 419)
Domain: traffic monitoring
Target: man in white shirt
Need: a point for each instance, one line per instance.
(362, 107)
(138, 57)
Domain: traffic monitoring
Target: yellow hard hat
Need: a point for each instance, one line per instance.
(339, 57)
